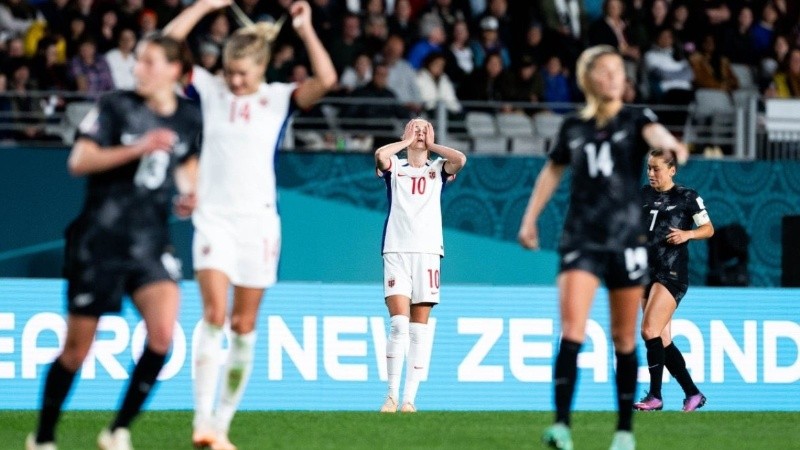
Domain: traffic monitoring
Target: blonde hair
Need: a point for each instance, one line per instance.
(252, 41)
(584, 67)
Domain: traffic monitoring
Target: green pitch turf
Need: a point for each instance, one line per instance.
(167, 430)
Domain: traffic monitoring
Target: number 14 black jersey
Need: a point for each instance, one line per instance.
(605, 200)
(678, 207)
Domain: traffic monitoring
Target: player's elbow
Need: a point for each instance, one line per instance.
(329, 80)
(75, 166)
(460, 161)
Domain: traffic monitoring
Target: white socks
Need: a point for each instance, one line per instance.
(237, 373)
(207, 376)
(206, 373)
(418, 333)
(396, 347)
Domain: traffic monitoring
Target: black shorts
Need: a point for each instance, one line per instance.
(617, 269)
(98, 279)
(676, 288)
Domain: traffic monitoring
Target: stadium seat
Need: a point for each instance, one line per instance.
(483, 133)
(547, 126)
(73, 115)
(744, 74)
(711, 118)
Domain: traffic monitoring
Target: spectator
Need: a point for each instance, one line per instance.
(682, 30)
(255, 10)
(612, 30)
(49, 73)
(524, 81)
(432, 41)
(435, 86)
(373, 8)
(376, 118)
(776, 59)
(402, 77)
(281, 64)
(15, 49)
(709, 16)
(711, 69)
(401, 23)
(489, 83)
(446, 13)
(90, 71)
(499, 10)
(6, 109)
(565, 20)
(534, 47)
(166, 10)
(56, 13)
(460, 60)
(77, 34)
(122, 59)
(786, 83)
(764, 31)
(636, 16)
(343, 50)
(129, 13)
(657, 19)
(218, 31)
(670, 75)
(326, 15)
(489, 42)
(553, 84)
(148, 22)
(209, 59)
(25, 112)
(357, 76)
(16, 16)
(738, 42)
(375, 34)
(106, 34)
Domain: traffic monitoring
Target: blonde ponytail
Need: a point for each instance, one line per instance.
(593, 108)
(254, 41)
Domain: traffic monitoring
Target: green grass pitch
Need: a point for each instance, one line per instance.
(162, 430)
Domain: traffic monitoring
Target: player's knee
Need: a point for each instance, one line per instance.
(72, 357)
(649, 332)
(242, 324)
(623, 342)
(159, 338)
(215, 316)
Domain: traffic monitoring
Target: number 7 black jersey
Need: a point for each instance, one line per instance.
(136, 195)
(679, 207)
(605, 201)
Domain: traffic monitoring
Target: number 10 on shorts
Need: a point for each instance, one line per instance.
(433, 278)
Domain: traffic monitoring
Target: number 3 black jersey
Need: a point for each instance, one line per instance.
(605, 201)
(679, 207)
(136, 196)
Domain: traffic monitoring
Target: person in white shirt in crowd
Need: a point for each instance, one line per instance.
(122, 60)
(435, 86)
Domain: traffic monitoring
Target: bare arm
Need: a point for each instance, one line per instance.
(546, 184)
(383, 155)
(455, 159)
(657, 136)
(324, 78)
(180, 27)
(677, 236)
(88, 157)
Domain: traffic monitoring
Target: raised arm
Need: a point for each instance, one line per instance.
(324, 79)
(546, 184)
(88, 157)
(455, 159)
(657, 136)
(180, 27)
(186, 183)
(383, 155)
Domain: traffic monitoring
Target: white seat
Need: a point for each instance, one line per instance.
(744, 74)
(490, 145)
(711, 102)
(74, 114)
(480, 124)
(528, 145)
(547, 126)
(514, 125)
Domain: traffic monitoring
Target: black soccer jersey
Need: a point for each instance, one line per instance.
(134, 200)
(679, 207)
(604, 210)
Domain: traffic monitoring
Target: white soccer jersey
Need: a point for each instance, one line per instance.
(414, 224)
(241, 135)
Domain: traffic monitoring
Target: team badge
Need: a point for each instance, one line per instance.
(205, 250)
(390, 283)
(431, 175)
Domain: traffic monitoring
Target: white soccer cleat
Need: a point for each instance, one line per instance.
(390, 405)
(408, 407)
(222, 443)
(119, 439)
(30, 444)
(623, 440)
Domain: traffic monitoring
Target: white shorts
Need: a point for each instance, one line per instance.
(246, 247)
(412, 275)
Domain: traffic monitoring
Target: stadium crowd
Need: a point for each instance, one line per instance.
(421, 52)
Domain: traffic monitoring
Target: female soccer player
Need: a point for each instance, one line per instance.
(603, 239)
(412, 248)
(129, 148)
(237, 227)
(668, 213)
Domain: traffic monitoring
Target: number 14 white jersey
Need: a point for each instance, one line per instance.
(414, 224)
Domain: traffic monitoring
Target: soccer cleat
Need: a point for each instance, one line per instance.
(694, 402)
(119, 439)
(31, 444)
(623, 440)
(203, 438)
(558, 436)
(222, 443)
(649, 403)
(408, 408)
(390, 405)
